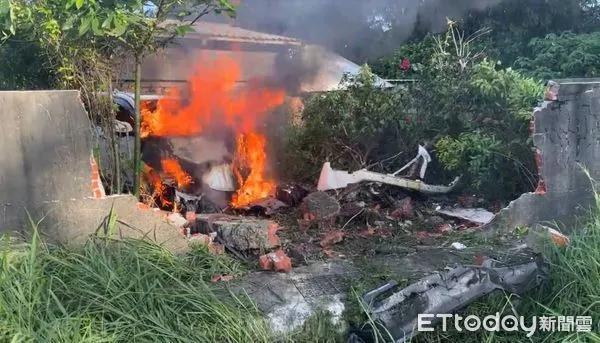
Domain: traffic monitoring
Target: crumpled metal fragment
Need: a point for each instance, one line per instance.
(446, 292)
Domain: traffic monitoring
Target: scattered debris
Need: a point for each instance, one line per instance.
(333, 254)
(335, 179)
(267, 206)
(426, 238)
(319, 207)
(240, 233)
(447, 292)
(332, 237)
(222, 278)
(368, 232)
(277, 261)
(352, 209)
(405, 209)
(477, 216)
(298, 254)
(466, 201)
(558, 238)
(291, 195)
(458, 246)
(443, 228)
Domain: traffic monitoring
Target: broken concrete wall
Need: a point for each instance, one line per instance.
(566, 134)
(45, 151)
(47, 170)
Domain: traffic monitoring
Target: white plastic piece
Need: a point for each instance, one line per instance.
(220, 178)
(336, 179)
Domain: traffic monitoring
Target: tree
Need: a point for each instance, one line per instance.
(99, 28)
(514, 23)
(142, 27)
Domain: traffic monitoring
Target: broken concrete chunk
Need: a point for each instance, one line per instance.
(289, 299)
(177, 219)
(477, 216)
(319, 206)
(239, 232)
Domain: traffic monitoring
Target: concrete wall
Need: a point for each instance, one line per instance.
(566, 134)
(45, 153)
(46, 169)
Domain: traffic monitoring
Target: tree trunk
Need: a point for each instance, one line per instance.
(137, 157)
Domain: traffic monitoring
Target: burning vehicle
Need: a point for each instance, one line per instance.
(204, 130)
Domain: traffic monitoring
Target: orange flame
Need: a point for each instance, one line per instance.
(174, 170)
(151, 177)
(215, 100)
(251, 156)
(212, 100)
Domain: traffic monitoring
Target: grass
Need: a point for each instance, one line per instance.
(120, 291)
(136, 291)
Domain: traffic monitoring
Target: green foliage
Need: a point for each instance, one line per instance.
(474, 154)
(515, 22)
(567, 55)
(473, 111)
(418, 52)
(350, 128)
(120, 291)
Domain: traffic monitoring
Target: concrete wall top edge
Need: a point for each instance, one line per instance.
(42, 91)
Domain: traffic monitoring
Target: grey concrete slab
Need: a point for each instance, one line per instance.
(45, 149)
(289, 299)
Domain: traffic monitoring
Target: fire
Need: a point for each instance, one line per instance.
(251, 156)
(174, 170)
(151, 177)
(215, 100)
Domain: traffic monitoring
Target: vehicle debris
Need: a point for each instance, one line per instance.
(458, 246)
(266, 207)
(335, 179)
(421, 153)
(477, 216)
(444, 293)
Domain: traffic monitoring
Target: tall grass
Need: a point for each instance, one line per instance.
(119, 291)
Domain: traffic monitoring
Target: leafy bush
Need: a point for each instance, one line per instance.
(475, 113)
(567, 55)
(350, 128)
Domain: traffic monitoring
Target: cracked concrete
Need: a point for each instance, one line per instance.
(566, 134)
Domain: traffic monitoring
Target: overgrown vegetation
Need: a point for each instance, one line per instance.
(130, 290)
(80, 44)
(474, 112)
